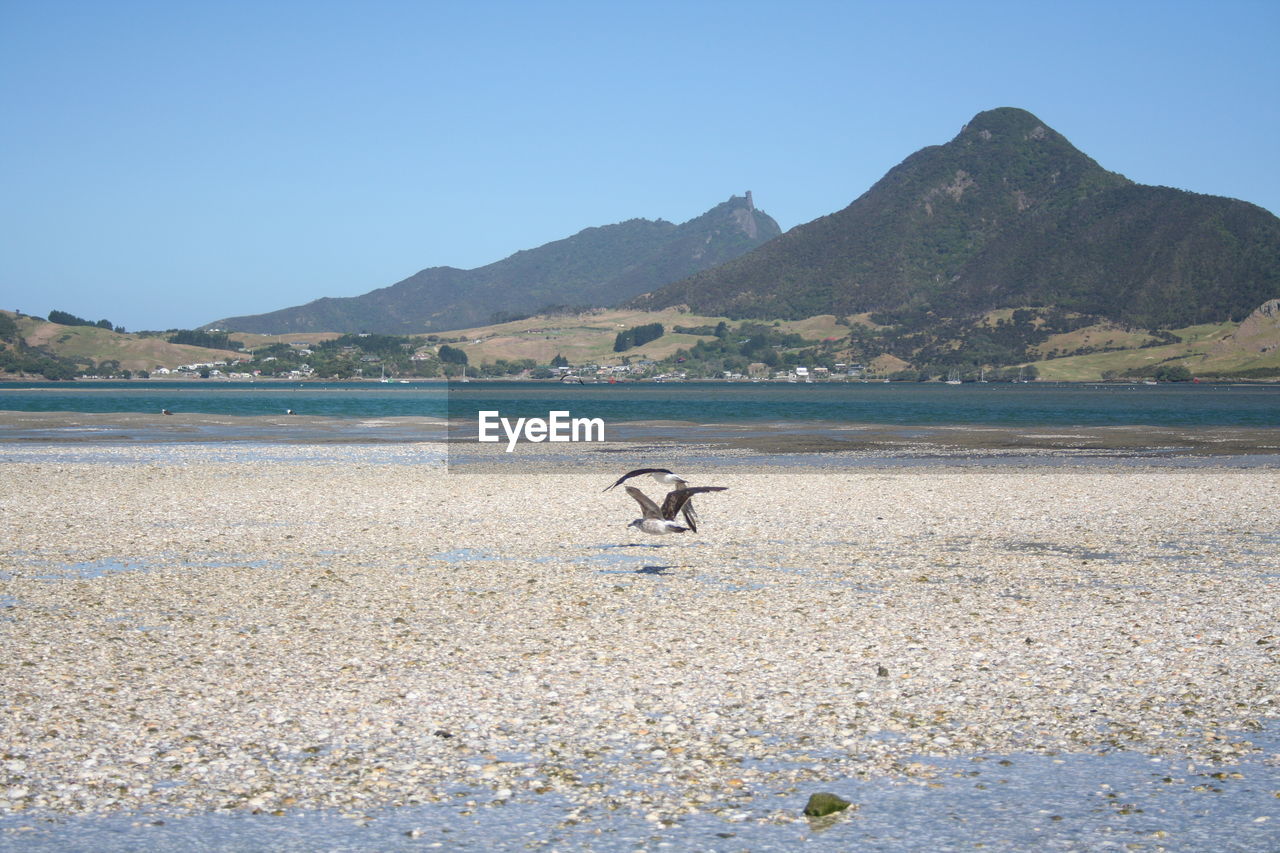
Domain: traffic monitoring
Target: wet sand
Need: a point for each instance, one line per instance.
(118, 427)
(209, 631)
(71, 427)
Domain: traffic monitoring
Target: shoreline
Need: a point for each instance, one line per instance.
(812, 438)
(419, 380)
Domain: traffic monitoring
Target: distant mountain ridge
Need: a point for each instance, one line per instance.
(595, 267)
(1006, 214)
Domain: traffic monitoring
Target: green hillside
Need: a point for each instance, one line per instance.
(1007, 214)
(1044, 343)
(34, 346)
(1005, 344)
(596, 267)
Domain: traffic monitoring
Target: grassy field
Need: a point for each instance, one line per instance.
(581, 338)
(253, 341)
(94, 345)
(588, 338)
(1219, 348)
(1210, 348)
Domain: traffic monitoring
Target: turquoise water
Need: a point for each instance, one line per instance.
(925, 404)
(325, 399)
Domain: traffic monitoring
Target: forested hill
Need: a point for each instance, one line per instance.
(595, 267)
(1007, 214)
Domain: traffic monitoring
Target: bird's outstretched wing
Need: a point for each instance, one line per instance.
(678, 501)
(637, 473)
(648, 507)
(690, 516)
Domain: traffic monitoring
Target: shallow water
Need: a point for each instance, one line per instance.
(777, 405)
(1020, 802)
(186, 453)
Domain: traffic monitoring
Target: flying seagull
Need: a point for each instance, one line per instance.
(668, 478)
(660, 521)
(662, 475)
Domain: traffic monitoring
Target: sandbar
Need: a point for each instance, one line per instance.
(193, 634)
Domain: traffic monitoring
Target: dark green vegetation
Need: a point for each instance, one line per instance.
(1171, 373)
(1006, 215)
(452, 355)
(372, 356)
(342, 358)
(949, 343)
(734, 350)
(637, 336)
(37, 364)
(17, 357)
(197, 338)
(996, 355)
(65, 319)
(597, 266)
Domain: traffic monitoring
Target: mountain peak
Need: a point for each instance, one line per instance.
(1008, 213)
(740, 210)
(1008, 133)
(1006, 122)
(596, 267)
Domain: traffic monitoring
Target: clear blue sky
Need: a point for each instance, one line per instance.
(165, 164)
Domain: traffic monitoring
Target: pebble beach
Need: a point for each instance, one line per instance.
(356, 631)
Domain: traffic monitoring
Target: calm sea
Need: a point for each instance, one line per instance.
(924, 404)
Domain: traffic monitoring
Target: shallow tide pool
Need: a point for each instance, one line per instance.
(1114, 801)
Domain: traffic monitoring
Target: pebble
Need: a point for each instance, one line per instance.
(300, 635)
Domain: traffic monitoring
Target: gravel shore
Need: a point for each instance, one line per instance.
(201, 631)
